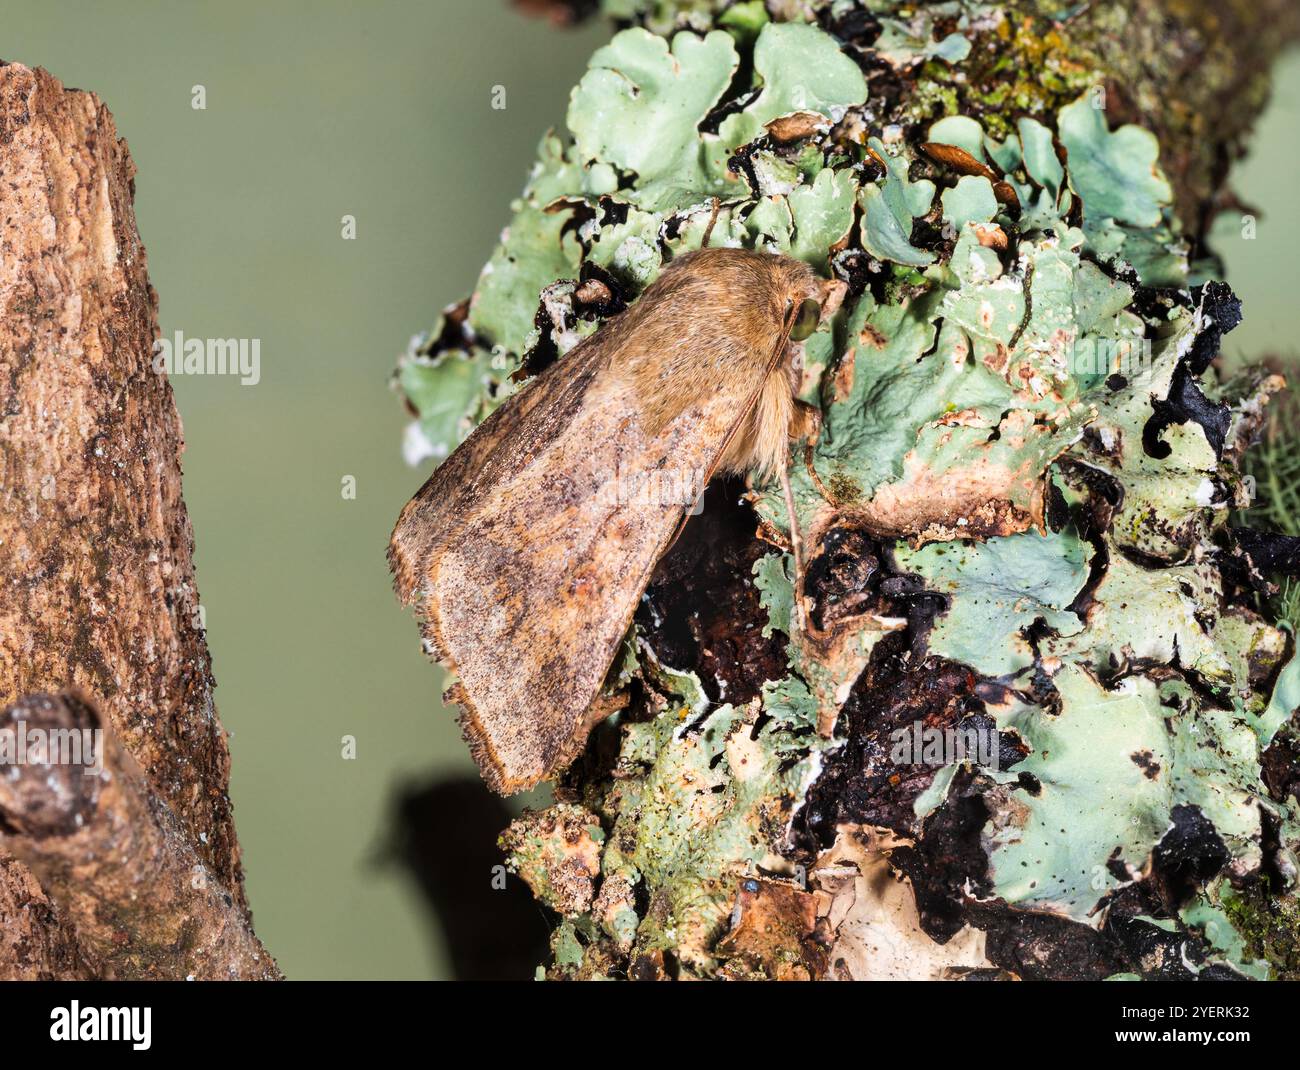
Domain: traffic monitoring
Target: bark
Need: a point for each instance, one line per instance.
(96, 554)
(117, 860)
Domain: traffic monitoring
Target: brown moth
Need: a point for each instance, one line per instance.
(528, 549)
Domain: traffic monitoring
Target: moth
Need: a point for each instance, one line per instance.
(527, 551)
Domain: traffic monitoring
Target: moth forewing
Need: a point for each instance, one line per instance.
(496, 448)
(528, 550)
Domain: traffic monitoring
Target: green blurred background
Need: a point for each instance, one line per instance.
(381, 111)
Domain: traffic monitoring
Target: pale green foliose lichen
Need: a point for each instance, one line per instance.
(993, 359)
(701, 798)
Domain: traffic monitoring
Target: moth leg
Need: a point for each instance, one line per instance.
(806, 422)
(806, 425)
(713, 218)
(796, 543)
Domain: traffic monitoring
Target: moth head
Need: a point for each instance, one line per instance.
(804, 319)
(810, 300)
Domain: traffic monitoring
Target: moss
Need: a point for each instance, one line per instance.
(1270, 926)
(1023, 65)
(1273, 490)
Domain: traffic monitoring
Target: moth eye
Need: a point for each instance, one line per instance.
(806, 322)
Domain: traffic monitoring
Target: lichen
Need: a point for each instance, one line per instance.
(557, 852)
(1011, 423)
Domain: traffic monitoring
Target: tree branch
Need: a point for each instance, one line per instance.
(95, 541)
(83, 817)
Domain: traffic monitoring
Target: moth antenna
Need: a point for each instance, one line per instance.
(796, 542)
(708, 231)
(817, 483)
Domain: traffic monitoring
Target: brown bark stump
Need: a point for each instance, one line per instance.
(96, 548)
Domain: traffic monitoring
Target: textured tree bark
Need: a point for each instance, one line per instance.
(95, 542)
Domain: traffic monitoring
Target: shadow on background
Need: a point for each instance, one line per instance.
(445, 836)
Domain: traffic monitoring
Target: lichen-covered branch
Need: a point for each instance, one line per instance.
(1042, 639)
(95, 542)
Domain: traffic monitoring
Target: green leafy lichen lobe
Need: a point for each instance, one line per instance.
(1019, 296)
